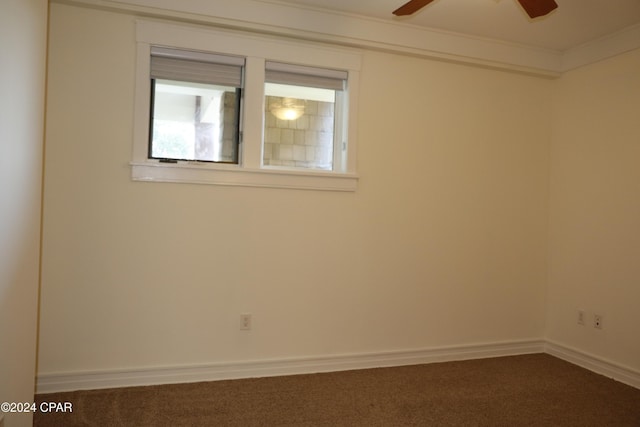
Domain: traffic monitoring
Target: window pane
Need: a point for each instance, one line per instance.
(194, 121)
(300, 127)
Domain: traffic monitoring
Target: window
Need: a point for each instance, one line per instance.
(305, 127)
(195, 106)
(234, 109)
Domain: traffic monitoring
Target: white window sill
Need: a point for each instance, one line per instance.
(239, 176)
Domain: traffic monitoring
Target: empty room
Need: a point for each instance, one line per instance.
(341, 213)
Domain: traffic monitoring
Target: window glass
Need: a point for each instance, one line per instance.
(304, 117)
(194, 121)
(300, 126)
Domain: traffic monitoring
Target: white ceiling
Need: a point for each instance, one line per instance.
(572, 24)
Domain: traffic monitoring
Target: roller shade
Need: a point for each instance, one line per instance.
(277, 72)
(196, 67)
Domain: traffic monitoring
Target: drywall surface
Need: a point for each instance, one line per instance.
(595, 210)
(443, 243)
(23, 33)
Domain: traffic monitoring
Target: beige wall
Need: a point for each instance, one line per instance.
(443, 243)
(23, 27)
(595, 210)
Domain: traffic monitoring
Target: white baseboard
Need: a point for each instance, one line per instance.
(59, 382)
(593, 363)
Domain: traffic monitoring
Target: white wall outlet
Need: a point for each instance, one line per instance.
(580, 317)
(245, 322)
(597, 321)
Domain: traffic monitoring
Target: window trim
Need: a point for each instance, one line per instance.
(256, 49)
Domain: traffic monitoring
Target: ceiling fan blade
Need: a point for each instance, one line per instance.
(535, 8)
(411, 7)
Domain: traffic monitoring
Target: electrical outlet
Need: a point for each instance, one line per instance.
(580, 317)
(245, 322)
(597, 321)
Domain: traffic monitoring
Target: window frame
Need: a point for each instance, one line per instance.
(257, 50)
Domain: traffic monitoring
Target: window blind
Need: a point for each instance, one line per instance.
(196, 67)
(277, 72)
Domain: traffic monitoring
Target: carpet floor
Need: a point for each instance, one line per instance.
(529, 390)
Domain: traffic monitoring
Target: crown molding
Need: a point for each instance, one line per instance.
(319, 25)
(342, 29)
(626, 40)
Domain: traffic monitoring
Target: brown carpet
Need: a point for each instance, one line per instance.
(530, 390)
